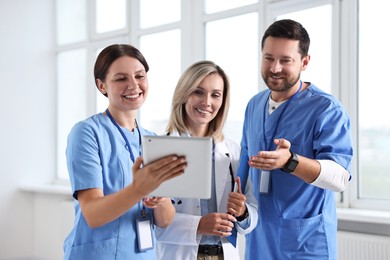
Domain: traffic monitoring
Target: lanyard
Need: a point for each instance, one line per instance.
(128, 147)
(124, 136)
(268, 145)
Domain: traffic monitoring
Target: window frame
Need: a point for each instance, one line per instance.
(192, 25)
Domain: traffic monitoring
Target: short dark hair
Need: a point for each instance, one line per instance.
(289, 29)
(109, 54)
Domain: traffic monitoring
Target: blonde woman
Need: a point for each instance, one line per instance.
(200, 227)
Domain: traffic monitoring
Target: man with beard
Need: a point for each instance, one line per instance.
(297, 150)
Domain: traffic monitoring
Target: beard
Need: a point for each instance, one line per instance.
(287, 83)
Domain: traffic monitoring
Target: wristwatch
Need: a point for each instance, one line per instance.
(291, 164)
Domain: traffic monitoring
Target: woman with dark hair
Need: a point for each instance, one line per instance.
(114, 216)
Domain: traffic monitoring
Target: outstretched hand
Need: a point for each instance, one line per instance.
(270, 160)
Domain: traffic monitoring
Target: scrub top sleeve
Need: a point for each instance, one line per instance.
(83, 159)
(332, 138)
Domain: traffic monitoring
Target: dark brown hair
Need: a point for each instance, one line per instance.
(289, 29)
(109, 54)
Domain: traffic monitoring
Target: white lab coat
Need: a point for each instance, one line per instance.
(180, 239)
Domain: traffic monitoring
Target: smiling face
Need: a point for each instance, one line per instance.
(204, 103)
(126, 84)
(282, 64)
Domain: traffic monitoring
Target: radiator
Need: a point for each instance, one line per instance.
(357, 246)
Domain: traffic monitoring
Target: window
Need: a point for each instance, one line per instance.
(164, 63)
(319, 70)
(71, 21)
(71, 95)
(342, 63)
(212, 6)
(110, 15)
(76, 52)
(373, 105)
(237, 52)
(151, 14)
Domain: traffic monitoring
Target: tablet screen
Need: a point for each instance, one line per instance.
(196, 180)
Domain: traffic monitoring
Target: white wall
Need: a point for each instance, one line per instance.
(32, 225)
(27, 109)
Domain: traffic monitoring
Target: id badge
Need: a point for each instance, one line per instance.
(264, 182)
(144, 224)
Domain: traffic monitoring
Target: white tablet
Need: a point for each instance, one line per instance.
(196, 180)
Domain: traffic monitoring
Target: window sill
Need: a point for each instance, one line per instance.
(373, 222)
(48, 188)
(353, 220)
(362, 215)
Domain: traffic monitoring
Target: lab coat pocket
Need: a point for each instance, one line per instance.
(300, 238)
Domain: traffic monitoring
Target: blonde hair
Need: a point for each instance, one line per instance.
(188, 82)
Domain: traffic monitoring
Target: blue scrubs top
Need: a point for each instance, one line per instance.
(296, 220)
(97, 157)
